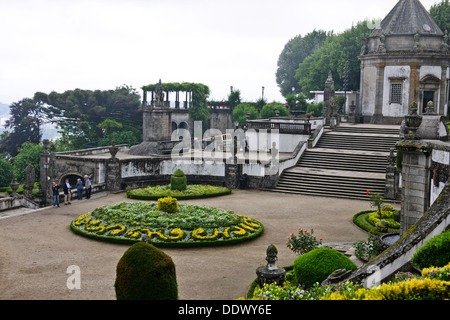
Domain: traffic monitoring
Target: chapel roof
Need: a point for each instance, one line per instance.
(407, 18)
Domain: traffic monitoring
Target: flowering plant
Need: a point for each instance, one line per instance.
(304, 242)
(377, 201)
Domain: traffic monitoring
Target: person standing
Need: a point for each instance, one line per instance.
(79, 186)
(55, 189)
(67, 194)
(88, 185)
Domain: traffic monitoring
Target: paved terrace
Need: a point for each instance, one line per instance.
(38, 246)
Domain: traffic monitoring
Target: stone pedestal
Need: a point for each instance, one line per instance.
(157, 124)
(270, 273)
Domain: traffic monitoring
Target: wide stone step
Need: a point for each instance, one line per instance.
(341, 166)
(289, 177)
(345, 158)
(360, 195)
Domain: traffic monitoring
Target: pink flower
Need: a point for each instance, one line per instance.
(291, 235)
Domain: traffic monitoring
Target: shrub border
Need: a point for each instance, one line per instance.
(187, 197)
(366, 226)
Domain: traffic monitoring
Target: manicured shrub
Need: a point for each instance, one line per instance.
(178, 180)
(318, 264)
(434, 253)
(168, 204)
(145, 273)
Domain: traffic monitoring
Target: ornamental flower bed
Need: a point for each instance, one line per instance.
(433, 284)
(191, 192)
(191, 225)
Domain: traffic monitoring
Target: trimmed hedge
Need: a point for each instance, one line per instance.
(434, 253)
(145, 273)
(318, 264)
(191, 192)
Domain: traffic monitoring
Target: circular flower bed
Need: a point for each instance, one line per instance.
(191, 192)
(371, 221)
(192, 225)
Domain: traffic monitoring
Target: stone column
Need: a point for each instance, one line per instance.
(415, 184)
(392, 178)
(44, 174)
(414, 83)
(443, 92)
(113, 171)
(378, 113)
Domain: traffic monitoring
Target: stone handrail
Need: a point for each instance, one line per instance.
(398, 256)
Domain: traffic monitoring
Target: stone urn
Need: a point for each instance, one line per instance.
(271, 273)
(113, 150)
(14, 186)
(412, 122)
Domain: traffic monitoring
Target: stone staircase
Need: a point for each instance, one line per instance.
(345, 163)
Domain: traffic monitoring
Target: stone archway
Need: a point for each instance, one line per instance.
(72, 176)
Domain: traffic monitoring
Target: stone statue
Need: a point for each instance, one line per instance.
(29, 180)
(382, 46)
(159, 94)
(417, 41)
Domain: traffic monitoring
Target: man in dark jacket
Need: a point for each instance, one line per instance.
(55, 189)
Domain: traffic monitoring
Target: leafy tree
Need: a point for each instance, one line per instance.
(269, 110)
(79, 113)
(296, 101)
(28, 153)
(6, 173)
(294, 52)
(315, 109)
(240, 113)
(234, 98)
(26, 119)
(332, 55)
(440, 12)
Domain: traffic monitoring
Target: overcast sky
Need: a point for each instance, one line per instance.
(58, 45)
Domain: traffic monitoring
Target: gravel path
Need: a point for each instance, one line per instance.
(37, 248)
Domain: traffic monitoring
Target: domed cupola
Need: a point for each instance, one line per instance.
(408, 27)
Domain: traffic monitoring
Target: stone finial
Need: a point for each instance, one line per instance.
(430, 107)
(271, 257)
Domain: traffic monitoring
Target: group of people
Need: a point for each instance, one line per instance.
(86, 184)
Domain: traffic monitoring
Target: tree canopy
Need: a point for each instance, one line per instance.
(81, 114)
(333, 55)
(440, 12)
(294, 53)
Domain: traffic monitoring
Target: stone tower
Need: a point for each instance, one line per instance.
(405, 59)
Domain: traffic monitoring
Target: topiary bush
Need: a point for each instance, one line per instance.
(434, 253)
(318, 264)
(145, 273)
(168, 204)
(178, 180)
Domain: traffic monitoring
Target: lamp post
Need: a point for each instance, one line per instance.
(262, 93)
